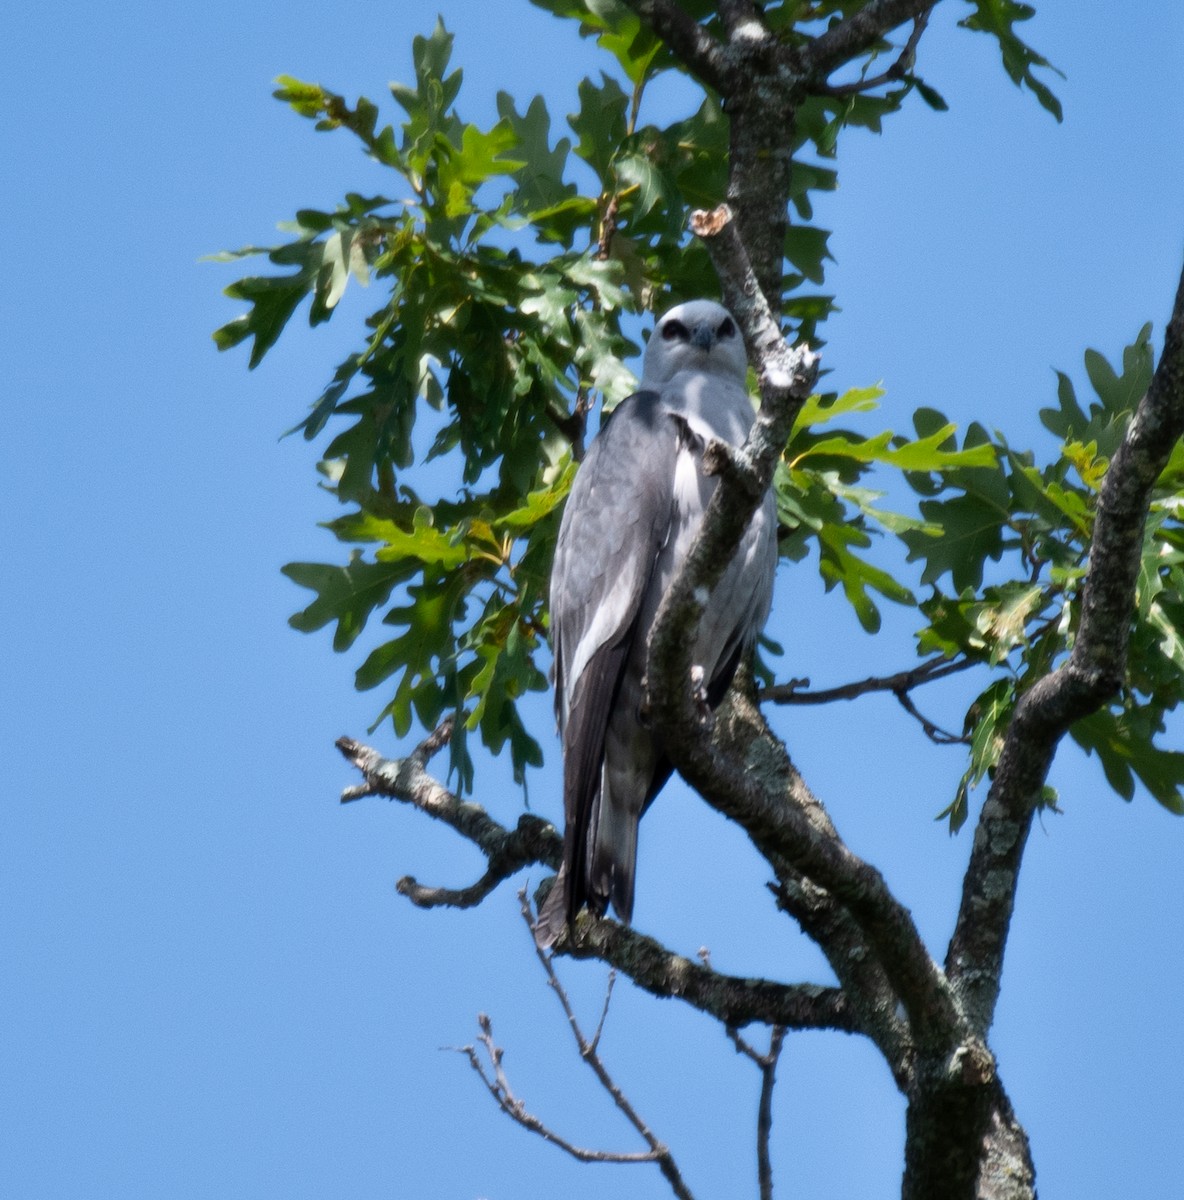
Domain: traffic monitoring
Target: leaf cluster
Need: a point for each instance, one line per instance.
(1005, 548)
(510, 267)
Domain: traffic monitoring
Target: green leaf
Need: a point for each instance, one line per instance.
(930, 95)
(540, 186)
(971, 532)
(600, 125)
(1020, 61)
(986, 723)
(347, 595)
(818, 410)
(273, 300)
(925, 454)
(1126, 752)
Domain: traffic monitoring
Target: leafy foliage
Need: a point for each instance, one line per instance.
(1039, 521)
(507, 274)
(510, 274)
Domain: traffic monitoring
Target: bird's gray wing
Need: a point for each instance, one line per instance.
(616, 521)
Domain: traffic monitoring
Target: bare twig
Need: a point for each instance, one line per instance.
(933, 732)
(659, 1152)
(494, 1078)
(926, 672)
(608, 995)
(767, 1063)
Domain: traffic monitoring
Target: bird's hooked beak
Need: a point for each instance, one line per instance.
(703, 337)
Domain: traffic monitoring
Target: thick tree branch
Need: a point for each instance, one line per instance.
(734, 1000)
(740, 723)
(701, 53)
(1093, 673)
(742, 20)
(780, 830)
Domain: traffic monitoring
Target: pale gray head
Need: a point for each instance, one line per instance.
(699, 335)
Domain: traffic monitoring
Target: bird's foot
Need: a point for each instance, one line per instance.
(699, 690)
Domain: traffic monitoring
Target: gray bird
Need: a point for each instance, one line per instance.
(633, 512)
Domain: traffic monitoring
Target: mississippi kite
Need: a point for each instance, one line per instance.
(634, 509)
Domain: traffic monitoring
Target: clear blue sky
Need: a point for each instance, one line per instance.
(209, 986)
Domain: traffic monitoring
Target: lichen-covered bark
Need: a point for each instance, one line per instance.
(963, 1140)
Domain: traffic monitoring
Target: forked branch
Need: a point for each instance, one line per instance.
(767, 1063)
(494, 1077)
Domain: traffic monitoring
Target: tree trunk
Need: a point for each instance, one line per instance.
(964, 1143)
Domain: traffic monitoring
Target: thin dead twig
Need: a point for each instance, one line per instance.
(927, 672)
(767, 1063)
(495, 1080)
(659, 1152)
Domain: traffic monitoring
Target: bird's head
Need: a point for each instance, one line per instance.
(699, 335)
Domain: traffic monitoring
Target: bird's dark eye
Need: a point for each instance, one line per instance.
(674, 329)
(726, 328)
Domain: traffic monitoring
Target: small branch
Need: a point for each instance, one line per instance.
(573, 425)
(533, 840)
(764, 1117)
(853, 36)
(902, 681)
(608, 227)
(499, 1088)
(899, 69)
(608, 995)
(786, 374)
(659, 1153)
(934, 733)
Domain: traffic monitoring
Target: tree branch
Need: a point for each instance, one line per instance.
(853, 36)
(588, 1052)
(926, 672)
(764, 1118)
(499, 1088)
(1093, 673)
(533, 840)
(933, 732)
(743, 20)
(734, 1000)
(780, 830)
(701, 53)
(899, 69)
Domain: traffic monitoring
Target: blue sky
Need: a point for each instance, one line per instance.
(210, 987)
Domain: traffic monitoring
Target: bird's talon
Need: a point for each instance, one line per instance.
(699, 691)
